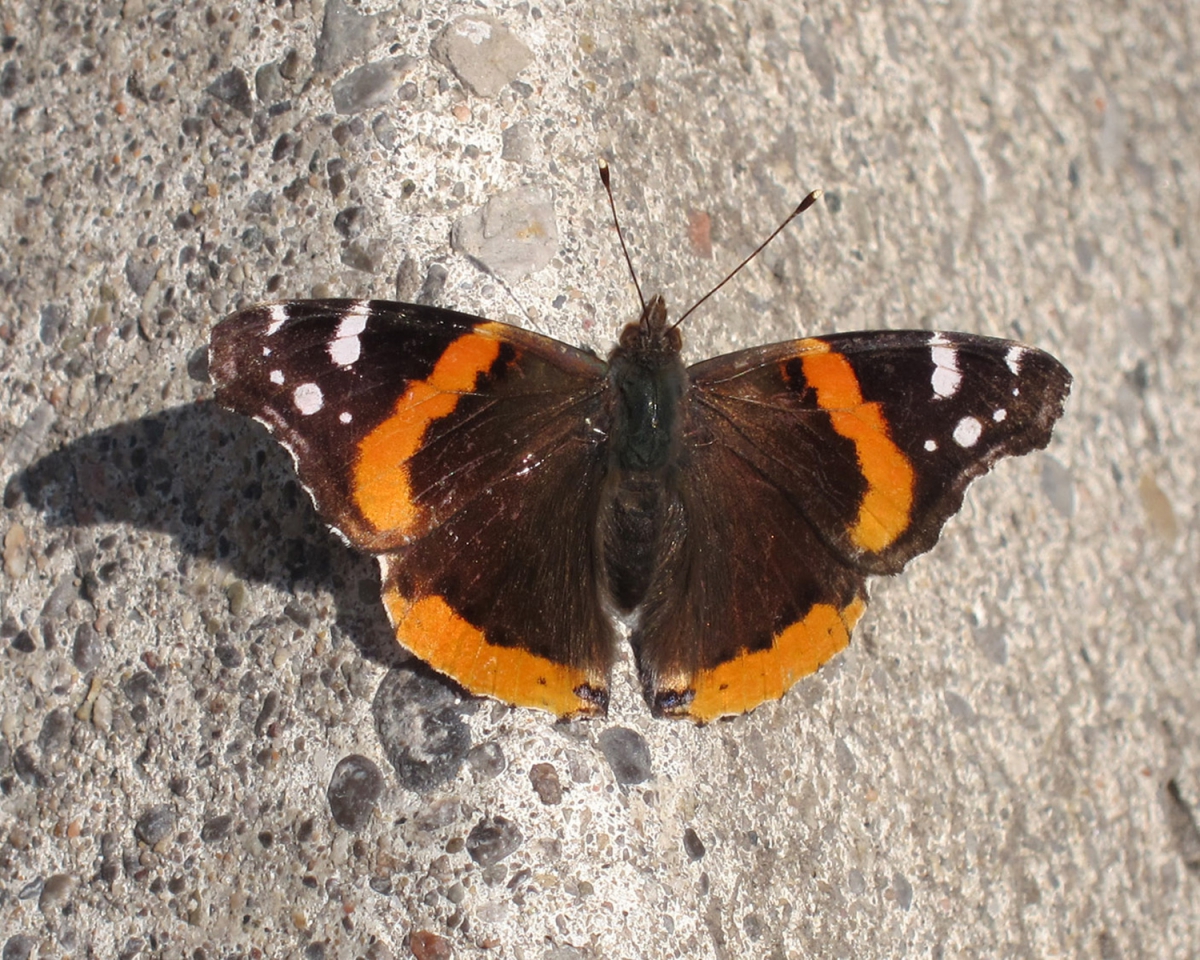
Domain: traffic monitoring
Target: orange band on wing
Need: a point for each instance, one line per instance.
(886, 507)
(753, 678)
(439, 636)
(382, 489)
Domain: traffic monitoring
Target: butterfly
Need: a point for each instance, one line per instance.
(523, 496)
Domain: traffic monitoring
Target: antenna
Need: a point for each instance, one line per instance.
(603, 164)
(801, 207)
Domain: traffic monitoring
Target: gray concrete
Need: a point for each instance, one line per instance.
(1002, 764)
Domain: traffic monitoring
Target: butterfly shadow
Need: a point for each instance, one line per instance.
(226, 493)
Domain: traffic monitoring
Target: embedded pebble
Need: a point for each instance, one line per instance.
(351, 221)
(627, 754)
(514, 234)
(419, 722)
(371, 85)
(232, 88)
(21, 448)
(268, 83)
(346, 35)
(216, 828)
(487, 760)
(55, 891)
(155, 825)
(19, 947)
(517, 143)
(139, 274)
(55, 735)
(353, 789)
(87, 652)
(385, 131)
(16, 551)
(483, 53)
(492, 839)
(366, 257)
(545, 782)
(693, 846)
(435, 282)
(427, 945)
(229, 655)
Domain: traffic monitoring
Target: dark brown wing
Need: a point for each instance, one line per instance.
(461, 451)
(818, 462)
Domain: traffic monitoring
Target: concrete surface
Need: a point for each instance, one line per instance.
(1002, 763)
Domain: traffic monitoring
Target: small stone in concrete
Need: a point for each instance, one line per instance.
(353, 789)
(483, 53)
(627, 753)
(372, 85)
(514, 234)
(492, 839)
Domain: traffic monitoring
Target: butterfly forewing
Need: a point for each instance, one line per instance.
(449, 445)
(809, 465)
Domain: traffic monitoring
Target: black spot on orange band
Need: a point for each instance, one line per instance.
(744, 682)
(430, 628)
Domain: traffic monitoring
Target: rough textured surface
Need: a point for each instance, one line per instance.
(1003, 763)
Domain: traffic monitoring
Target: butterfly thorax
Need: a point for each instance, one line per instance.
(649, 383)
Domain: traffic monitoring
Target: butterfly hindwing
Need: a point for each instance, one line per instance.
(447, 445)
(853, 451)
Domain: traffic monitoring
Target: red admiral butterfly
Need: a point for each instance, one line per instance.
(521, 493)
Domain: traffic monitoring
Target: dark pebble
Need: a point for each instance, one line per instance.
(487, 760)
(353, 789)
(88, 650)
(692, 844)
(229, 655)
(627, 753)
(23, 642)
(418, 719)
(19, 947)
(55, 891)
(216, 828)
(233, 88)
(55, 735)
(545, 782)
(140, 687)
(155, 824)
(110, 857)
(492, 839)
(350, 222)
(26, 767)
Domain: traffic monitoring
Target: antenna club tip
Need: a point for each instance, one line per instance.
(817, 194)
(602, 164)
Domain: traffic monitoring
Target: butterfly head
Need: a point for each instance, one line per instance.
(651, 340)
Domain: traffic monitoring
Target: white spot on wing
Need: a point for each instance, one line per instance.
(345, 417)
(967, 432)
(1013, 358)
(278, 313)
(345, 347)
(266, 351)
(946, 376)
(931, 445)
(308, 398)
(277, 377)
(1000, 415)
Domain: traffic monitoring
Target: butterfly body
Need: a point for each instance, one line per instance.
(520, 492)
